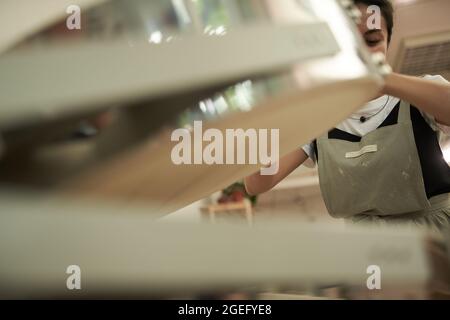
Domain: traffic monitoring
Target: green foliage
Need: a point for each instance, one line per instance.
(239, 187)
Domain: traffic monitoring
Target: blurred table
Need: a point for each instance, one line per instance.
(210, 212)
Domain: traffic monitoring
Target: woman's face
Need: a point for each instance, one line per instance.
(376, 39)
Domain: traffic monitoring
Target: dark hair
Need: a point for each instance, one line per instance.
(387, 10)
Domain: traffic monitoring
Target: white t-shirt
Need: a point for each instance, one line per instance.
(384, 105)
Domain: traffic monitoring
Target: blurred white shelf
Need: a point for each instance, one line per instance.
(89, 75)
(130, 254)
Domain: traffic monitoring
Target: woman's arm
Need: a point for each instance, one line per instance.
(429, 96)
(257, 183)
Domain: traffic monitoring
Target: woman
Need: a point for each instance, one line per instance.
(384, 162)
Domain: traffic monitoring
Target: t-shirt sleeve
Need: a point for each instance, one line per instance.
(430, 119)
(309, 150)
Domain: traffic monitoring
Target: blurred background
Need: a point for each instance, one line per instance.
(86, 139)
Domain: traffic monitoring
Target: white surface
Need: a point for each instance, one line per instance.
(125, 254)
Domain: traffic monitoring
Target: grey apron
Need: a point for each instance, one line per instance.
(380, 176)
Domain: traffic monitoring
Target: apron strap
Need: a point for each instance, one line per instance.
(404, 116)
(404, 113)
(323, 137)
